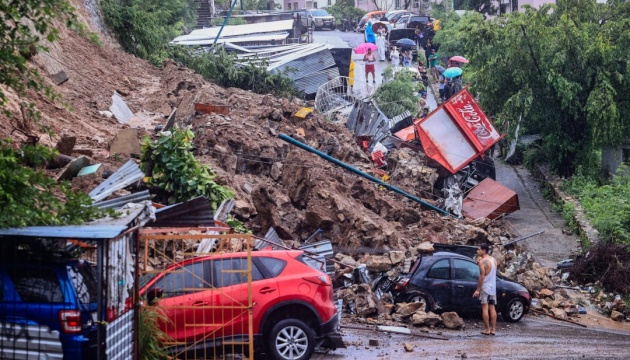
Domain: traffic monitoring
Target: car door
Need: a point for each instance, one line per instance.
(437, 282)
(465, 279)
(231, 280)
(186, 294)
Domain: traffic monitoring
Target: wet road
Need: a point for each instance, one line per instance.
(532, 338)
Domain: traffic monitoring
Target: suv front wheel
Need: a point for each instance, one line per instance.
(291, 339)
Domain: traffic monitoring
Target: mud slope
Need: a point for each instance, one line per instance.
(276, 184)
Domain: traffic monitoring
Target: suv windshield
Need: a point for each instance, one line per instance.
(319, 12)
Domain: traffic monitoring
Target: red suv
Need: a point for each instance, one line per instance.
(205, 298)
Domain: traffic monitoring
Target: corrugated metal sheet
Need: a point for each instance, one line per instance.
(490, 200)
(309, 64)
(221, 214)
(272, 238)
(123, 200)
(323, 250)
(22, 341)
(66, 232)
(123, 177)
(193, 213)
(310, 83)
(278, 37)
(236, 30)
(119, 339)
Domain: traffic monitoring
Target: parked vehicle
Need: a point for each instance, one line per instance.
(293, 312)
(48, 309)
(376, 15)
(317, 19)
(396, 34)
(417, 20)
(394, 15)
(446, 281)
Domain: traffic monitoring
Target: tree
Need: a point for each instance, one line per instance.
(24, 25)
(562, 70)
(345, 9)
(29, 197)
(396, 96)
(145, 28)
(481, 6)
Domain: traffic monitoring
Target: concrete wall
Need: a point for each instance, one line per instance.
(612, 158)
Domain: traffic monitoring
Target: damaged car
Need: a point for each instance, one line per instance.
(446, 281)
(205, 300)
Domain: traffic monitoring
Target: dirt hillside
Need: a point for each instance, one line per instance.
(276, 184)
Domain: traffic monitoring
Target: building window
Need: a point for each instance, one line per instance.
(625, 156)
(315, 5)
(329, 2)
(288, 6)
(514, 5)
(397, 4)
(416, 4)
(295, 7)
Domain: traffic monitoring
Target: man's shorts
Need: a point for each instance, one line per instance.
(487, 299)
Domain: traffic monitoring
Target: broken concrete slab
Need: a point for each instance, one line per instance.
(119, 108)
(60, 77)
(125, 142)
(170, 121)
(92, 169)
(72, 169)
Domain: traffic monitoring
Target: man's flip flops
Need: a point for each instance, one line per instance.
(485, 333)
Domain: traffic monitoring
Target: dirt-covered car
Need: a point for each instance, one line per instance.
(446, 281)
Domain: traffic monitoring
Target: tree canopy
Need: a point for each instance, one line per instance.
(560, 71)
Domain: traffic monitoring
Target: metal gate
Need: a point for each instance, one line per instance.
(199, 282)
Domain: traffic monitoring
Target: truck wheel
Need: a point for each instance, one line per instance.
(291, 339)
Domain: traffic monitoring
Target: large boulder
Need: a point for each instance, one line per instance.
(421, 318)
(405, 310)
(617, 316)
(452, 321)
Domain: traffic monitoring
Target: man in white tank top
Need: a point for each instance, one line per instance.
(487, 288)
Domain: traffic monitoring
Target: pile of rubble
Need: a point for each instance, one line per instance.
(366, 304)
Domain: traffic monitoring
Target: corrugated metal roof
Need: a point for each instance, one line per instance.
(309, 64)
(334, 41)
(310, 83)
(66, 232)
(193, 213)
(272, 237)
(236, 30)
(491, 200)
(279, 37)
(123, 200)
(322, 250)
(123, 177)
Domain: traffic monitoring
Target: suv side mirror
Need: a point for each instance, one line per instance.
(153, 294)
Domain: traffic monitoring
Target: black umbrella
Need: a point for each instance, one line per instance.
(404, 42)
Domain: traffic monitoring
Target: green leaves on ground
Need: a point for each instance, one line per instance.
(170, 165)
(222, 68)
(396, 96)
(24, 25)
(607, 206)
(29, 197)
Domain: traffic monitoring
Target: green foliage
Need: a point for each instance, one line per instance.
(562, 69)
(222, 68)
(344, 9)
(396, 96)
(29, 197)
(607, 206)
(171, 166)
(144, 28)
(150, 336)
(237, 226)
(24, 26)
(481, 6)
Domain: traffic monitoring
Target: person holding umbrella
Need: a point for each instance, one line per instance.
(369, 58)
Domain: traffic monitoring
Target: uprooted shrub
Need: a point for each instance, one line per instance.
(607, 263)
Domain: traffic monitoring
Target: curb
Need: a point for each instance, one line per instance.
(553, 182)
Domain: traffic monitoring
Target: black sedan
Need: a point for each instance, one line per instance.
(446, 281)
